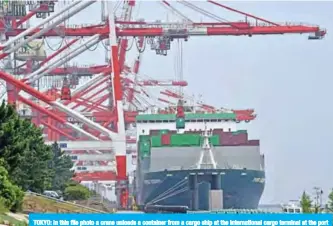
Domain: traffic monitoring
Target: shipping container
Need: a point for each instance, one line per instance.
(156, 141)
(253, 143)
(166, 139)
(185, 140)
(144, 138)
(144, 149)
(242, 138)
(193, 139)
(234, 139)
(214, 140)
(230, 138)
(217, 131)
(143, 145)
(180, 123)
(176, 140)
(225, 138)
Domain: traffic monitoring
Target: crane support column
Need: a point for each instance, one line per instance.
(120, 147)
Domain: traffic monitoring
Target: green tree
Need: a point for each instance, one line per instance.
(11, 195)
(26, 162)
(60, 165)
(329, 205)
(76, 191)
(11, 142)
(306, 203)
(3, 208)
(33, 172)
(24, 154)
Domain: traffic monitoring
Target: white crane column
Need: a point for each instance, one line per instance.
(120, 146)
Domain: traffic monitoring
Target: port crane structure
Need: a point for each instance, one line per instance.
(95, 104)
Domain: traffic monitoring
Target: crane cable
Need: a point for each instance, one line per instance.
(181, 61)
(129, 47)
(116, 7)
(67, 50)
(52, 48)
(175, 11)
(178, 65)
(202, 11)
(141, 50)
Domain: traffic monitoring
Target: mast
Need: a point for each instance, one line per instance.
(206, 159)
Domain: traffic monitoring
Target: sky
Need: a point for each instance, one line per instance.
(287, 79)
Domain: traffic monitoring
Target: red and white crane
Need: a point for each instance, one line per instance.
(104, 124)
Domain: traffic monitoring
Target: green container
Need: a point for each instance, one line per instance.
(179, 140)
(180, 123)
(175, 140)
(186, 140)
(144, 137)
(156, 141)
(214, 140)
(144, 149)
(194, 139)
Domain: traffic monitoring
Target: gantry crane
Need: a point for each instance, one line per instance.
(158, 35)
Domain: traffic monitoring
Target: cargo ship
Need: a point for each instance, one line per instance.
(204, 165)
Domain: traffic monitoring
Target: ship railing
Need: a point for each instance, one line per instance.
(241, 211)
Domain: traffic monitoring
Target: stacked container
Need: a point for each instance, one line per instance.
(254, 142)
(166, 139)
(156, 141)
(144, 138)
(179, 140)
(217, 131)
(180, 123)
(194, 138)
(144, 149)
(232, 138)
(214, 140)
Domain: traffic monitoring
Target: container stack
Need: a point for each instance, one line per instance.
(162, 138)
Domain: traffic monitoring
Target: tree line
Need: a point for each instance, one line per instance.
(314, 204)
(28, 164)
